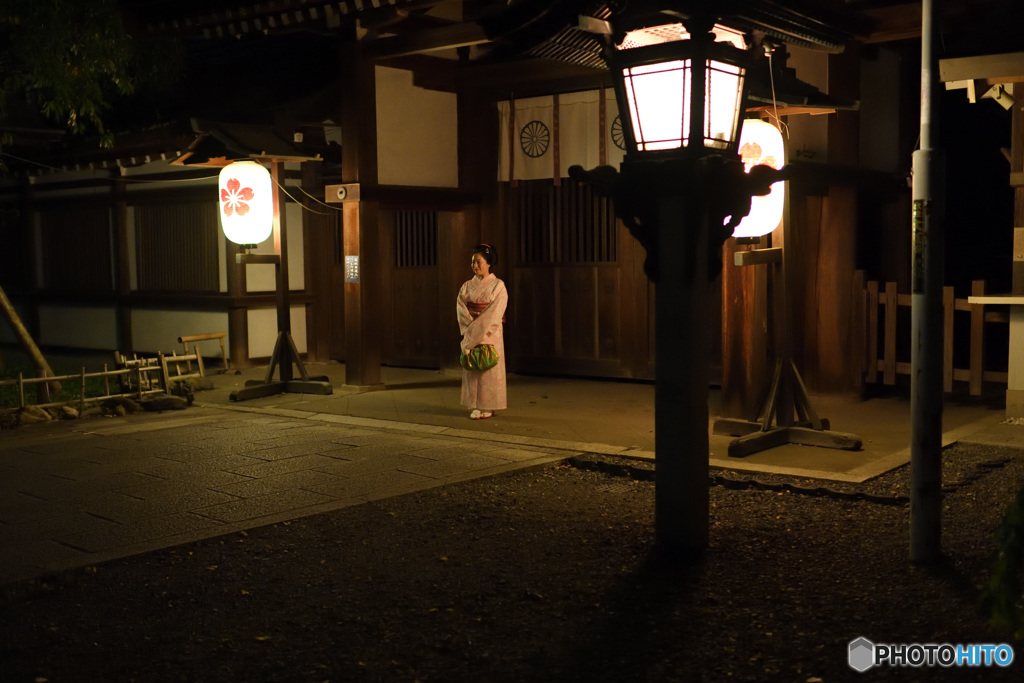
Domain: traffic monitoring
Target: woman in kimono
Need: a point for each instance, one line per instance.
(481, 312)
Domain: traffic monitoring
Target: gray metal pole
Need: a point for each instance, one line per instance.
(926, 316)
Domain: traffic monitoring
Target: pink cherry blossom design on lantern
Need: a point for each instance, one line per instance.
(750, 153)
(235, 197)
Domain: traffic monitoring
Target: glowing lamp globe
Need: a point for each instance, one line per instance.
(680, 89)
(246, 202)
(761, 143)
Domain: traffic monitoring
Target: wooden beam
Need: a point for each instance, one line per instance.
(758, 256)
(995, 67)
(431, 40)
(897, 22)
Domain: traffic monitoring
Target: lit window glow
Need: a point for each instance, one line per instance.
(762, 143)
(722, 103)
(246, 202)
(659, 103)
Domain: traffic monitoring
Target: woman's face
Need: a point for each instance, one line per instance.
(480, 266)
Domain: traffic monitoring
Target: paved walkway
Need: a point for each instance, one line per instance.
(78, 493)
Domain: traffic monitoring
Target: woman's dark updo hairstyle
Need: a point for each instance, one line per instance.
(489, 253)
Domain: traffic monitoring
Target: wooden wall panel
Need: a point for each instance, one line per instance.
(176, 247)
(609, 319)
(414, 337)
(532, 303)
(76, 249)
(577, 316)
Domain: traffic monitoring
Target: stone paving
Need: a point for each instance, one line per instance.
(78, 493)
(75, 494)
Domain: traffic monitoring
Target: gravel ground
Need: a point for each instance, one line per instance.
(539, 575)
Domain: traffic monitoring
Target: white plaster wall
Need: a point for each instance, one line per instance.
(157, 330)
(83, 327)
(417, 133)
(263, 330)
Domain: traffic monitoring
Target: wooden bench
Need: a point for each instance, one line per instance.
(185, 340)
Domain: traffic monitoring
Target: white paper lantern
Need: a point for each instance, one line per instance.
(761, 143)
(246, 202)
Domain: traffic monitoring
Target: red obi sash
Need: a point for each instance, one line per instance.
(476, 308)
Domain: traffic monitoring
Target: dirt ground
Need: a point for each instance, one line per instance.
(539, 575)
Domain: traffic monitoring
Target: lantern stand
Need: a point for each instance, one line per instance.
(787, 398)
(681, 191)
(285, 353)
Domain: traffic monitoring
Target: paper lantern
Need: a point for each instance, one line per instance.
(761, 143)
(246, 202)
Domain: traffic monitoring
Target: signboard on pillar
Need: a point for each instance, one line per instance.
(351, 268)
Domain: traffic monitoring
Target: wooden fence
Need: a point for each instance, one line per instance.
(143, 377)
(884, 330)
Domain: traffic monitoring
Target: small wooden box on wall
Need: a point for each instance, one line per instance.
(348, 192)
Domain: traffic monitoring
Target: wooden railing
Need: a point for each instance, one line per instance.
(141, 376)
(883, 321)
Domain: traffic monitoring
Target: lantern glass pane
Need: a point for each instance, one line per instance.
(723, 89)
(659, 104)
(246, 202)
(761, 143)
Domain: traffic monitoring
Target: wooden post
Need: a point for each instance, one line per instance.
(744, 336)
(872, 370)
(977, 348)
(948, 311)
(363, 299)
(682, 346)
(891, 316)
(317, 262)
(238, 315)
(29, 344)
(284, 312)
(122, 272)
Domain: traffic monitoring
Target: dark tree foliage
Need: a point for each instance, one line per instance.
(66, 59)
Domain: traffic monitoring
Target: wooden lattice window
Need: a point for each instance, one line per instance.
(76, 248)
(415, 239)
(569, 223)
(176, 247)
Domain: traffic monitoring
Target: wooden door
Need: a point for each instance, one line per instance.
(411, 335)
(580, 304)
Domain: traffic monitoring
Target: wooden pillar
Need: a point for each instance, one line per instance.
(317, 263)
(364, 302)
(458, 232)
(745, 347)
(829, 298)
(122, 265)
(1015, 386)
(33, 278)
(1017, 181)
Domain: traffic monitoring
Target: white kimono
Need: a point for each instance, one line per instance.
(480, 308)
